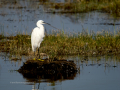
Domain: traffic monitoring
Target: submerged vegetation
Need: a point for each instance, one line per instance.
(59, 43)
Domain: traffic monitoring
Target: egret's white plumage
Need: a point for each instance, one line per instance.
(37, 35)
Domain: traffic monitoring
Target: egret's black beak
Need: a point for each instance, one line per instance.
(46, 23)
(50, 25)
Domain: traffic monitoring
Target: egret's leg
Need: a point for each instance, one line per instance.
(38, 53)
(39, 56)
(34, 55)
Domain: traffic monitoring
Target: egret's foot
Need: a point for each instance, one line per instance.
(34, 59)
(40, 59)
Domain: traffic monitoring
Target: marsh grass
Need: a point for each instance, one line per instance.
(78, 6)
(16, 45)
(59, 43)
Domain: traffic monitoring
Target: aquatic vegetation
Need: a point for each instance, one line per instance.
(78, 6)
(71, 6)
(59, 43)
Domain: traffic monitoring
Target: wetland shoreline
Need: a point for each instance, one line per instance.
(59, 43)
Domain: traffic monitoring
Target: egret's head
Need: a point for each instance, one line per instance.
(40, 22)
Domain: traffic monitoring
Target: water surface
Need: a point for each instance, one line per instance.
(21, 17)
(95, 73)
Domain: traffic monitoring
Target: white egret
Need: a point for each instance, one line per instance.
(37, 36)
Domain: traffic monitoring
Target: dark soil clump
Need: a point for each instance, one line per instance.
(54, 70)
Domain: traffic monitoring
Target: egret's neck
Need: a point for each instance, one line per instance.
(41, 28)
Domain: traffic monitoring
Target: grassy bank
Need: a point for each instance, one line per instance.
(78, 6)
(58, 43)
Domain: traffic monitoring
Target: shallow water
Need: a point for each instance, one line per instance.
(21, 17)
(95, 73)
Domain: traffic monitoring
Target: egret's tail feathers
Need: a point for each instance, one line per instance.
(33, 48)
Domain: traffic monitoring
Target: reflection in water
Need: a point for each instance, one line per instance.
(36, 88)
(20, 16)
(48, 77)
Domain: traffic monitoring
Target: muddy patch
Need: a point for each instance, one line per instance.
(53, 70)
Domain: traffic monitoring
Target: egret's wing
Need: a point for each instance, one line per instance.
(36, 37)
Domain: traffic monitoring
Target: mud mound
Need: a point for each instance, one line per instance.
(58, 69)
